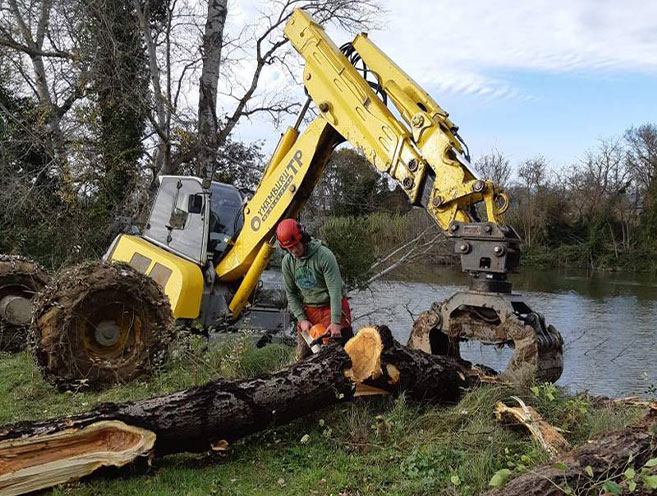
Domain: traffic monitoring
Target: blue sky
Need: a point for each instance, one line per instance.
(567, 114)
(547, 77)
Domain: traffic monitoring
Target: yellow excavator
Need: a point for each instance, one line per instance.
(204, 247)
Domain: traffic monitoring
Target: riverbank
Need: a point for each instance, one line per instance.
(367, 447)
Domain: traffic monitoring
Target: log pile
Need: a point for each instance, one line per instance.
(220, 412)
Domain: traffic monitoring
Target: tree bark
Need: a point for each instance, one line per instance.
(207, 104)
(210, 416)
(608, 458)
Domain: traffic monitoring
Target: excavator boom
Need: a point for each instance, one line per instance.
(424, 153)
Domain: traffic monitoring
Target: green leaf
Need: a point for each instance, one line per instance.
(560, 466)
(534, 390)
(455, 480)
(499, 478)
(651, 463)
(612, 487)
(650, 481)
(589, 470)
(629, 473)
(631, 486)
(549, 395)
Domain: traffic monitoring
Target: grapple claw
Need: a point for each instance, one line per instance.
(493, 319)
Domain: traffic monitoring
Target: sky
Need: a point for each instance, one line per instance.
(528, 78)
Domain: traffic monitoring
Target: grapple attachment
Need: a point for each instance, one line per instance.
(493, 319)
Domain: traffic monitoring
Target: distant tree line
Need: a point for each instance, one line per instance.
(600, 212)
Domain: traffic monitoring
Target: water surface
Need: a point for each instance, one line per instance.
(607, 320)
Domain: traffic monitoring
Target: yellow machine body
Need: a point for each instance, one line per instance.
(181, 280)
(421, 152)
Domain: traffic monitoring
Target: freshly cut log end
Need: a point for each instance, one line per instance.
(20, 281)
(36, 462)
(365, 349)
(100, 324)
(380, 362)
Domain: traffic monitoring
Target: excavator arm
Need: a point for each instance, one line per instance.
(424, 153)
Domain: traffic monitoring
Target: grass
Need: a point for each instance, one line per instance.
(366, 447)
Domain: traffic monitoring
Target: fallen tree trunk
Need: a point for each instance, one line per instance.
(587, 468)
(200, 418)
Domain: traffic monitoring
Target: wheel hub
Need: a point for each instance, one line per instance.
(107, 333)
(16, 310)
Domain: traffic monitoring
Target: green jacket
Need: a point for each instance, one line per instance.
(313, 280)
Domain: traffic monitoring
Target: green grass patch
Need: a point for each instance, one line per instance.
(365, 447)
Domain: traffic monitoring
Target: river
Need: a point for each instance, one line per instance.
(608, 322)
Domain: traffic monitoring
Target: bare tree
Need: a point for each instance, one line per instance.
(494, 166)
(642, 153)
(48, 62)
(533, 173)
(226, 69)
(600, 176)
(208, 127)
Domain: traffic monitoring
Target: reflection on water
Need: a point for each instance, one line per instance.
(607, 322)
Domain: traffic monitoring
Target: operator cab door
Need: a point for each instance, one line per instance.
(226, 218)
(179, 218)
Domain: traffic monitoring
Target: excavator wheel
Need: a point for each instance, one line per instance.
(99, 324)
(20, 280)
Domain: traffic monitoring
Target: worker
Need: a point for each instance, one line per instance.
(313, 285)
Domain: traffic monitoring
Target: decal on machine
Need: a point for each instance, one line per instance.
(282, 183)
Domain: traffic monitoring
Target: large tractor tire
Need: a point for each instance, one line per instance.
(100, 324)
(20, 280)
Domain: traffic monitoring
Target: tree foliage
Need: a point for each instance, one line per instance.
(351, 187)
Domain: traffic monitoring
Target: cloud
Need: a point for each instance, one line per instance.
(478, 47)
(456, 46)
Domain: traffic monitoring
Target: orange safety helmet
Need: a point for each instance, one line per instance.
(289, 232)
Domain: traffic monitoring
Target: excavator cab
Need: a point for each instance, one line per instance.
(194, 223)
(225, 219)
(189, 231)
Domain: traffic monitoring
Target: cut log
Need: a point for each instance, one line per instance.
(420, 376)
(607, 458)
(210, 416)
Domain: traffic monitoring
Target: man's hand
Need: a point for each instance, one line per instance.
(335, 330)
(305, 325)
